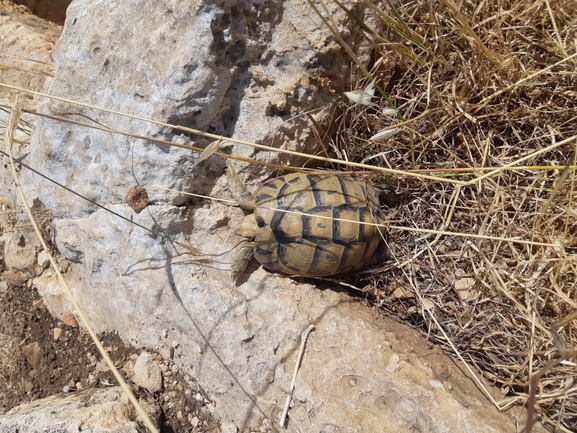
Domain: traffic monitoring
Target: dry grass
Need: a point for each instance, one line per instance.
(489, 84)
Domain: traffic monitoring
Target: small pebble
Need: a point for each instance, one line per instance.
(69, 319)
(266, 425)
(57, 332)
(39, 304)
(102, 366)
(43, 260)
(194, 421)
(228, 427)
(65, 388)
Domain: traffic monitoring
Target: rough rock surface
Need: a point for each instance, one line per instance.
(146, 373)
(240, 69)
(26, 47)
(20, 249)
(93, 410)
(25, 61)
(215, 67)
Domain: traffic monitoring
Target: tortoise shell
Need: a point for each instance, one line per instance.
(312, 225)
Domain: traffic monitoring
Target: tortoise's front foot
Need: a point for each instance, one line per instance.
(240, 259)
(244, 199)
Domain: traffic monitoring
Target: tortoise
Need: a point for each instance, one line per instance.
(309, 224)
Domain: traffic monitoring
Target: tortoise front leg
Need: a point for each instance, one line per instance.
(241, 195)
(240, 259)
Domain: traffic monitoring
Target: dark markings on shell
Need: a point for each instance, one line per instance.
(262, 251)
(260, 222)
(276, 224)
(337, 213)
(281, 254)
(337, 238)
(308, 221)
(282, 192)
(272, 185)
(336, 225)
(364, 216)
(317, 257)
(344, 190)
(364, 190)
(317, 193)
(264, 197)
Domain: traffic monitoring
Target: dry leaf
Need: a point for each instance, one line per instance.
(213, 147)
(137, 198)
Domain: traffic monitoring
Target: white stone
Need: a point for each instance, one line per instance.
(25, 53)
(20, 249)
(228, 427)
(147, 372)
(93, 410)
(43, 259)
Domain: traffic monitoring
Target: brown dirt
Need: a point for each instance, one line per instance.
(70, 361)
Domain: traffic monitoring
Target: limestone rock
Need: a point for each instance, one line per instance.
(147, 373)
(25, 61)
(20, 249)
(43, 260)
(228, 427)
(93, 410)
(25, 50)
(212, 67)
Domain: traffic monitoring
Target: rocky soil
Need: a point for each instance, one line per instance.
(41, 356)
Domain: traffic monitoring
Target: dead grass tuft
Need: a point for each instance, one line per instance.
(483, 85)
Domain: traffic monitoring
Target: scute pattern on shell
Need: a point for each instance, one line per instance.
(308, 240)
